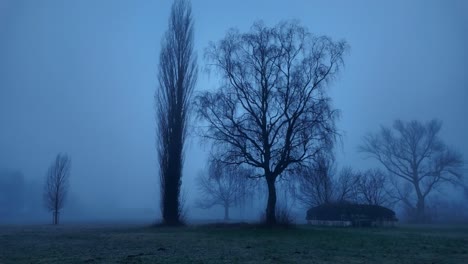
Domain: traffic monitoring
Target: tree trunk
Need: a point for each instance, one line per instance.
(55, 217)
(420, 205)
(270, 218)
(226, 212)
(171, 205)
(171, 202)
(420, 210)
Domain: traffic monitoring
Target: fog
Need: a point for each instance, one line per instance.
(79, 77)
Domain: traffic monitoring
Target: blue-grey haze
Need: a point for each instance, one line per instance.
(79, 77)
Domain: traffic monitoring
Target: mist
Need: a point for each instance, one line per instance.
(79, 77)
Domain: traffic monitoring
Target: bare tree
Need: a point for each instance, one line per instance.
(320, 184)
(272, 110)
(373, 188)
(345, 186)
(413, 153)
(177, 77)
(56, 185)
(223, 185)
(315, 183)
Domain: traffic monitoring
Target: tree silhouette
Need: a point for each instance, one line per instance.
(56, 185)
(373, 188)
(223, 185)
(177, 77)
(320, 183)
(272, 109)
(315, 185)
(413, 152)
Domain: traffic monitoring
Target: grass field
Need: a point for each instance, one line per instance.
(203, 244)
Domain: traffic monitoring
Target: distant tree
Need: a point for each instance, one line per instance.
(345, 186)
(56, 185)
(373, 188)
(320, 183)
(315, 183)
(177, 76)
(223, 185)
(413, 152)
(272, 110)
(12, 194)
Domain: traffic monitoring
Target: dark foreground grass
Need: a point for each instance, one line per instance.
(237, 244)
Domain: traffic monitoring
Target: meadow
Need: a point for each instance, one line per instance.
(232, 244)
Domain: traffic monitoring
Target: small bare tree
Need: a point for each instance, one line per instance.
(315, 183)
(320, 184)
(373, 188)
(345, 186)
(223, 185)
(56, 185)
(414, 153)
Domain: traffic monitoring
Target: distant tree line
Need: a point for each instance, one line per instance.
(12, 194)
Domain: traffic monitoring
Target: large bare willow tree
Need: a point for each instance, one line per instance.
(177, 77)
(272, 110)
(413, 153)
(56, 185)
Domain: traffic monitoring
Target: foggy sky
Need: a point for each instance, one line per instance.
(80, 76)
